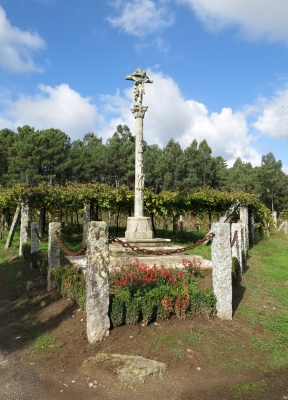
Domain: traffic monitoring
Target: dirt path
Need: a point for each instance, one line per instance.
(58, 373)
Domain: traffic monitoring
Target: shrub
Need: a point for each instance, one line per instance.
(71, 283)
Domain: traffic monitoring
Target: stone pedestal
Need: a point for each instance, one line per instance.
(139, 228)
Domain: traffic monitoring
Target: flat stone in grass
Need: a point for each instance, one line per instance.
(130, 369)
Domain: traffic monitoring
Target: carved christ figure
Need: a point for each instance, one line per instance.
(139, 77)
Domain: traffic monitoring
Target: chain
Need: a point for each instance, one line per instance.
(161, 252)
(39, 237)
(66, 251)
(234, 239)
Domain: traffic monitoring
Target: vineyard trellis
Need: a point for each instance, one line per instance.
(72, 197)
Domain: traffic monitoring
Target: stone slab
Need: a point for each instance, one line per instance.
(130, 369)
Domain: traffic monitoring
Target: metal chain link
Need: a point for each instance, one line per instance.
(234, 239)
(161, 252)
(66, 251)
(39, 237)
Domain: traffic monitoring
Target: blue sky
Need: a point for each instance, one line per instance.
(219, 69)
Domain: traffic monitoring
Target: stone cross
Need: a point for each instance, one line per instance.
(139, 227)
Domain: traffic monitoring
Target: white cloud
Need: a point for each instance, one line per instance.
(141, 17)
(16, 47)
(59, 107)
(273, 120)
(256, 18)
(171, 116)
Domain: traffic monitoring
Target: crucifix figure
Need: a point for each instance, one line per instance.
(139, 77)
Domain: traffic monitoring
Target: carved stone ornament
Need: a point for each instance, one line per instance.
(139, 77)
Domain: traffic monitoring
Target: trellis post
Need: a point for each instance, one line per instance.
(222, 269)
(34, 237)
(237, 247)
(53, 250)
(23, 225)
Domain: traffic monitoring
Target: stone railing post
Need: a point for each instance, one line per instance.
(53, 250)
(222, 269)
(237, 248)
(86, 219)
(23, 225)
(97, 285)
(34, 237)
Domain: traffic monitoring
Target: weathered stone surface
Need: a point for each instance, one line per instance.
(222, 269)
(23, 226)
(237, 248)
(34, 237)
(53, 250)
(251, 228)
(244, 218)
(130, 369)
(97, 286)
(86, 219)
(139, 228)
(274, 215)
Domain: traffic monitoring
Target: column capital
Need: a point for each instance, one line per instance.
(139, 111)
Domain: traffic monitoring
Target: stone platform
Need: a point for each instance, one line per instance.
(120, 255)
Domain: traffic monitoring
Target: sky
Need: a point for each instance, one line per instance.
(219, 70)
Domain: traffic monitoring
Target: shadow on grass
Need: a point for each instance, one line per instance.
(20, 321)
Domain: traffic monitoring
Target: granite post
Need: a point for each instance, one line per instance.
(222, 269)
(53, 250)
(23, 225)
(251, 228)
(97, 285)
(237, 248)
(274, 215)
(244, 217)
(34, 237)
(86, 219)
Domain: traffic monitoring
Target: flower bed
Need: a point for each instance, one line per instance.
(139, 291)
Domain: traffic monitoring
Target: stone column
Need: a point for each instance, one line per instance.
(237, 248)
(34, 237)
(86, 219)
(97, 285)
(139, 227)
(23, 225)
(222, 270)
(53, 250)
(244, 217)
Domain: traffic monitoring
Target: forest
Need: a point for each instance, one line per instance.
(30, 157)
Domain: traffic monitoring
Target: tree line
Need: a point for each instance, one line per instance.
(30, 157)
